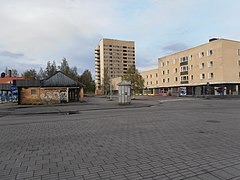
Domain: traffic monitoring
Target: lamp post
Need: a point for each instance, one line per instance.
(207, 90)
(110, 86)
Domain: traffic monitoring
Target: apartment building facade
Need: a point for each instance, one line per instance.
(112, 59)
(209, 69)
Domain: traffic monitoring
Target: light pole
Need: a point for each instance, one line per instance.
(110, 86)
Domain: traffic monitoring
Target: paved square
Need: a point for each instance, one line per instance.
(185, 139)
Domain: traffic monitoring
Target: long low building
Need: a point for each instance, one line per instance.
(209, 69)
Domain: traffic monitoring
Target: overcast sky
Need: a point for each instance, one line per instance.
(33, 32)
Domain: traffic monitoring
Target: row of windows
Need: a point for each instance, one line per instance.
(186, 58)
(118, 57)
(185, 78)
(113, 46)
(119, 54)
(118, 50)
(126, 64)
(202, 65)
(209, 53)
(150, 76)
(185, 68)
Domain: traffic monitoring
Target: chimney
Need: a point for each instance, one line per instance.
(9, 73)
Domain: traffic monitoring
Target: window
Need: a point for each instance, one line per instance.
(156, 82)
(156, 74)
(163, 64)
(201, 65)
(33, 91)
(167, 63)
(174, 61)
(175, 70)
(184, 78)
(167, 71)
(147, 76)
(183, 59)
(151, 82)
(238, 52)
(202, 76)
(168, 80)
(191, 67)
(201, 54)
(209, 52)
(191, 77)
(238, 62)
(210, 75)
(163, 72)
(184, 68)
(163, 80)
(150, 76)
(176, 79)
(147, 83)
(210, 63)
(190, 57)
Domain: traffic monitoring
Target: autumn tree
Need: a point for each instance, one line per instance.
(137, 81)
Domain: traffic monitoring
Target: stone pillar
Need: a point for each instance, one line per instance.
(81, 94)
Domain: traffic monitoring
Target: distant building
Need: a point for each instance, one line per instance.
(112, 58)
(8, 78)
(8, 91)
(212, 68)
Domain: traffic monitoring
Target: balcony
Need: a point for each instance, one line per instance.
(184, 82)
(184, 73)
(184, 63)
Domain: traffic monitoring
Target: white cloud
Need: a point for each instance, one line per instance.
(43, 30)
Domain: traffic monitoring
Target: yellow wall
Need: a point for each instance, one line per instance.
(224, 66)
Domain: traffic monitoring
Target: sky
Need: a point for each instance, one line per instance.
(33, 32)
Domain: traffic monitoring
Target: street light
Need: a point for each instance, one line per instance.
(110, 84)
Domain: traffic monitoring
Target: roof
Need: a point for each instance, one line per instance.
(9, 80)
(218, 40)
(125, 83)
(59, 79)
(27, 83)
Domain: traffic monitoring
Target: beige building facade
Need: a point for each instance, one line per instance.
(112, 58)
(209, 69)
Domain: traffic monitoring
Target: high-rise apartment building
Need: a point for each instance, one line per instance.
(212, 68)
(112, 58)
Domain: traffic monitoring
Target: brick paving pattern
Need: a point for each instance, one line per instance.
(194, 140)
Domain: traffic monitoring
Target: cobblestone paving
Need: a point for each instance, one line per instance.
(191, 140)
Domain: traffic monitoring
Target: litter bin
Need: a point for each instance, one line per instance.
(124, 92)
